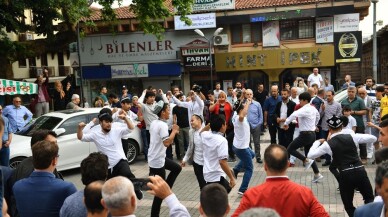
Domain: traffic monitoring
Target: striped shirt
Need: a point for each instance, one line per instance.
(333, 108)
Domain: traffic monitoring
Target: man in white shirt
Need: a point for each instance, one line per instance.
(195, 106)
(315, 78)
(294, 95)
(157, 160)
(215, 154)
(308, 118)
(217, 91)
(107, 137)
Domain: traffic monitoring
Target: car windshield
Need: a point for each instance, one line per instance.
(43, 122)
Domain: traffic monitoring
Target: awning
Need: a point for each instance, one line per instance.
(9, 87)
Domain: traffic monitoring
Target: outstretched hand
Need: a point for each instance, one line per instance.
(159, 187)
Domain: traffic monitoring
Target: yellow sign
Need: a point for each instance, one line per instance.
(275, 59)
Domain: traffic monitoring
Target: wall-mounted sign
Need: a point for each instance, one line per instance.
(213, 5)
(197, 61)
(348, 46)
(130, 71)
(324, 27)
(195, 51)
(346, 22)
(124, 49)
(199, 21)
(283, 15)
(318, 56)
(271, 34)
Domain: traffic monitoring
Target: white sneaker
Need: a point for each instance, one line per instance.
(316, 178)
(308, 164)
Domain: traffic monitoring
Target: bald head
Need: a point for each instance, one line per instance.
(274, 90)
(362, 92)
(119, 196)
(248, 94)
(294, 92)
(276, 159)
(311, 91)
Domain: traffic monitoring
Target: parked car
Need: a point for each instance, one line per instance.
(71, 150)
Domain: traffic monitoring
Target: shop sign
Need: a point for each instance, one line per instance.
(130, 71)
(195, 51)
(275, 59)
(324, 30)
(199, 21)
(348, 46)
(283, 15)
(213, 5)
(197, 61)
(271, 34)
(131, 48)
(346, 22)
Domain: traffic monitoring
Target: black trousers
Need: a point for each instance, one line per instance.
(198, 171)
(229, 137)
(363, 152)
(272, 133)
(121, 169)
(175, 169)
(224, 183)
(285, 136)
(124, 142)
(306, 140)
(348, 182)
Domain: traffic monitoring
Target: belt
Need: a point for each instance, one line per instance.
(352, 167)
(307, 132)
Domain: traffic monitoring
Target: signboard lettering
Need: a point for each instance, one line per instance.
(199, 21)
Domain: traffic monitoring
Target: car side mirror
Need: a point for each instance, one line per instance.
(60, 131)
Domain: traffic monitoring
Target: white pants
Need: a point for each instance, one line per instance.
(41, 108)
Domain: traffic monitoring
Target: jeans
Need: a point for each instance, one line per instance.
(175, 169)
(4, 156)
(246, 155)
(255, 134)
(306, 140)
(145, 135)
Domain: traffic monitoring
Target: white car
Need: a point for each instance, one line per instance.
(71, 150)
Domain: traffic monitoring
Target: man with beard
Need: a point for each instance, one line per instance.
(283, 110)
(107, 137)
(269, 112)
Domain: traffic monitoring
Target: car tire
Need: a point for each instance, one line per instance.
(133, 150)
(14, 162)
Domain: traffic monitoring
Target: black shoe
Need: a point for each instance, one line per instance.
(139, 194)
(327, 163)
(258, 160)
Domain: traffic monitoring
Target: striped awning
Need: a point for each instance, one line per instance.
(9, 87)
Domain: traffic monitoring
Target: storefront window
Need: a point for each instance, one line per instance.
(306, 29)
(296, 29)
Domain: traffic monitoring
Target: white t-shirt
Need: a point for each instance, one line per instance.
(242, 134)
(216, 93)
(352, 123)
(107, 143)
(157, 150)
(215, 148)
(317, 79)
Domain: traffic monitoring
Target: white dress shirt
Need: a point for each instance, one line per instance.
(196, 146)
(308, 118)
(193, 107)
(176, 208)
(107, 143)
(318, 150)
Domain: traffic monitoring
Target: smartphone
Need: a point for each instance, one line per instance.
(141, 184)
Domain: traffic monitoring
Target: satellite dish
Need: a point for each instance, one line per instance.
(218, 39)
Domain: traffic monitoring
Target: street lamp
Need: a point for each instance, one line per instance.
(210, 40)
(374, 58)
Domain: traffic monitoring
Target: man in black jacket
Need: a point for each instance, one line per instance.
(282, 111)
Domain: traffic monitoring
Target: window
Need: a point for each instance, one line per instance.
(306, 28)
(288, 30)
(22, 63)
(71, 124)
(257, 32)
(43, 122)
(236, 34)
(60, 59)
(246, 33)
(32, 61)
(43, 60)
(296, 29)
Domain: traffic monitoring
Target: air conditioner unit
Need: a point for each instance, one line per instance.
(221, 39)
